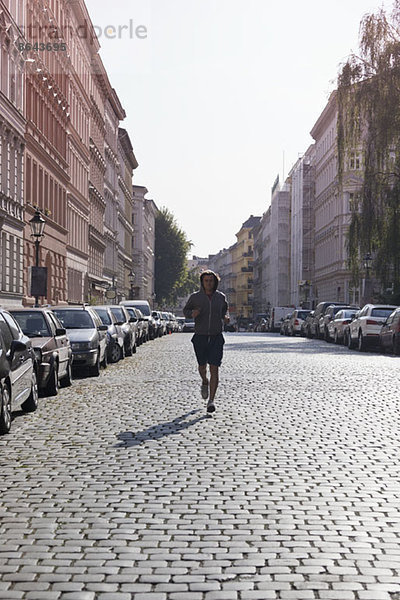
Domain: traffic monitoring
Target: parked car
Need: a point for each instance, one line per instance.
(180, 321)
(284, 328)
(148, 323)
(297, 318)
(338, 327)
(87, 334)
(306, 325)
(188, 326)
(389, 337)
(277, 314)
(18, 378)
(326, 320)
(128, 328)
(313, 330)
(157, 323)
(138, 321)
(51, 346)
(115, 334)
(364, 330)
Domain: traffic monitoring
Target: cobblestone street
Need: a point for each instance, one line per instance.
(121, 487)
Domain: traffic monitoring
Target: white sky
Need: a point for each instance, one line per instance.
(221, 95)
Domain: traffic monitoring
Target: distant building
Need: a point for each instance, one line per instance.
(302, 187)
(144, 214)
(242, 269)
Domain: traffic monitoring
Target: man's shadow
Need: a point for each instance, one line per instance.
(156, 432)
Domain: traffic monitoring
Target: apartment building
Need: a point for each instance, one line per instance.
(143, 244)
(12, 148)
(242, 268)
(332, 279)
(302, 184)
(46, 152)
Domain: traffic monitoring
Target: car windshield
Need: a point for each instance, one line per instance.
(131, 312)
(144, 308)
(119, 314)
(75, 319)
(381, 312)
(33, 324)
(104, 316)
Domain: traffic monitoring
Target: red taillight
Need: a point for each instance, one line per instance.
(372, 322)
(296, 322)
(346, 322)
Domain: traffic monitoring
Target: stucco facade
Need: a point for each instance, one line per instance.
(12, 148)
(143, 244)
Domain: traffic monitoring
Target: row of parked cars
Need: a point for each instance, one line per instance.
(373, 325)
(40, 347)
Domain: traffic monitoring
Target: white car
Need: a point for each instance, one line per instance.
(365, 328)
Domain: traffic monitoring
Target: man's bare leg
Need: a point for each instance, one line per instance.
(203, 373)
(214, 379)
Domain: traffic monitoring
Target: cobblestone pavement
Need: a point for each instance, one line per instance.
(122, 488)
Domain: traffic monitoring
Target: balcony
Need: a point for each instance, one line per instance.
(247, 254)
(247, 269)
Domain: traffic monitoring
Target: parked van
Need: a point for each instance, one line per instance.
(277, 314)
(144, 307)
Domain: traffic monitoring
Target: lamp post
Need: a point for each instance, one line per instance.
(367, 263)
(37, 224)
(131, 277)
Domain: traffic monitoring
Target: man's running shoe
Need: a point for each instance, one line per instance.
(210, 407)
(204, 391)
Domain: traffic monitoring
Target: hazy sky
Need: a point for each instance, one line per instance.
(221, 95)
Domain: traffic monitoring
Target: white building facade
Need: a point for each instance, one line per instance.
(143, 244)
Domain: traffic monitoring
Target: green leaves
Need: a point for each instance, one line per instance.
(369, 122)
(171, 249)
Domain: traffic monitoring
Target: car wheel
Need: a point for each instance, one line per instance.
(396, 345)
(52, 385)
(95, 370)
(361, 342)
(66, 381)
(5, 413)
(336, 337)
(134, 348)
(115, 353)
(128, 347)
(327, 337)
(31, 403)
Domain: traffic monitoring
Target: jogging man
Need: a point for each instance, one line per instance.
(209, 309)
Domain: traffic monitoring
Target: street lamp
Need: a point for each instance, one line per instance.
(37, 224)
(367, 262)
(131, 277)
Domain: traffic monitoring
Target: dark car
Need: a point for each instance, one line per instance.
(51, 346)
(389, 337)
(18, 378)
(87, 334)
(314, 327)
(128, 328)
(115, 335)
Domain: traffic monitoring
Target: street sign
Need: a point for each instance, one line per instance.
(38, 281)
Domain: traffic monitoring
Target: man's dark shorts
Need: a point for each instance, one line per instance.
(208, 348)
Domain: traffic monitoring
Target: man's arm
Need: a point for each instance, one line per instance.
(225, 312)
(187, 311)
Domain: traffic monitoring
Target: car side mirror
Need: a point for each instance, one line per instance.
(16, 346)
(119, 323)
(102, 328)
(60, 331)
(132, 320)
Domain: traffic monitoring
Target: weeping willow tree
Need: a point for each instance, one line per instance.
(369, 124)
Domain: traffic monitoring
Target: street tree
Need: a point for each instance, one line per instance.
(171, 250)
(369, 131)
